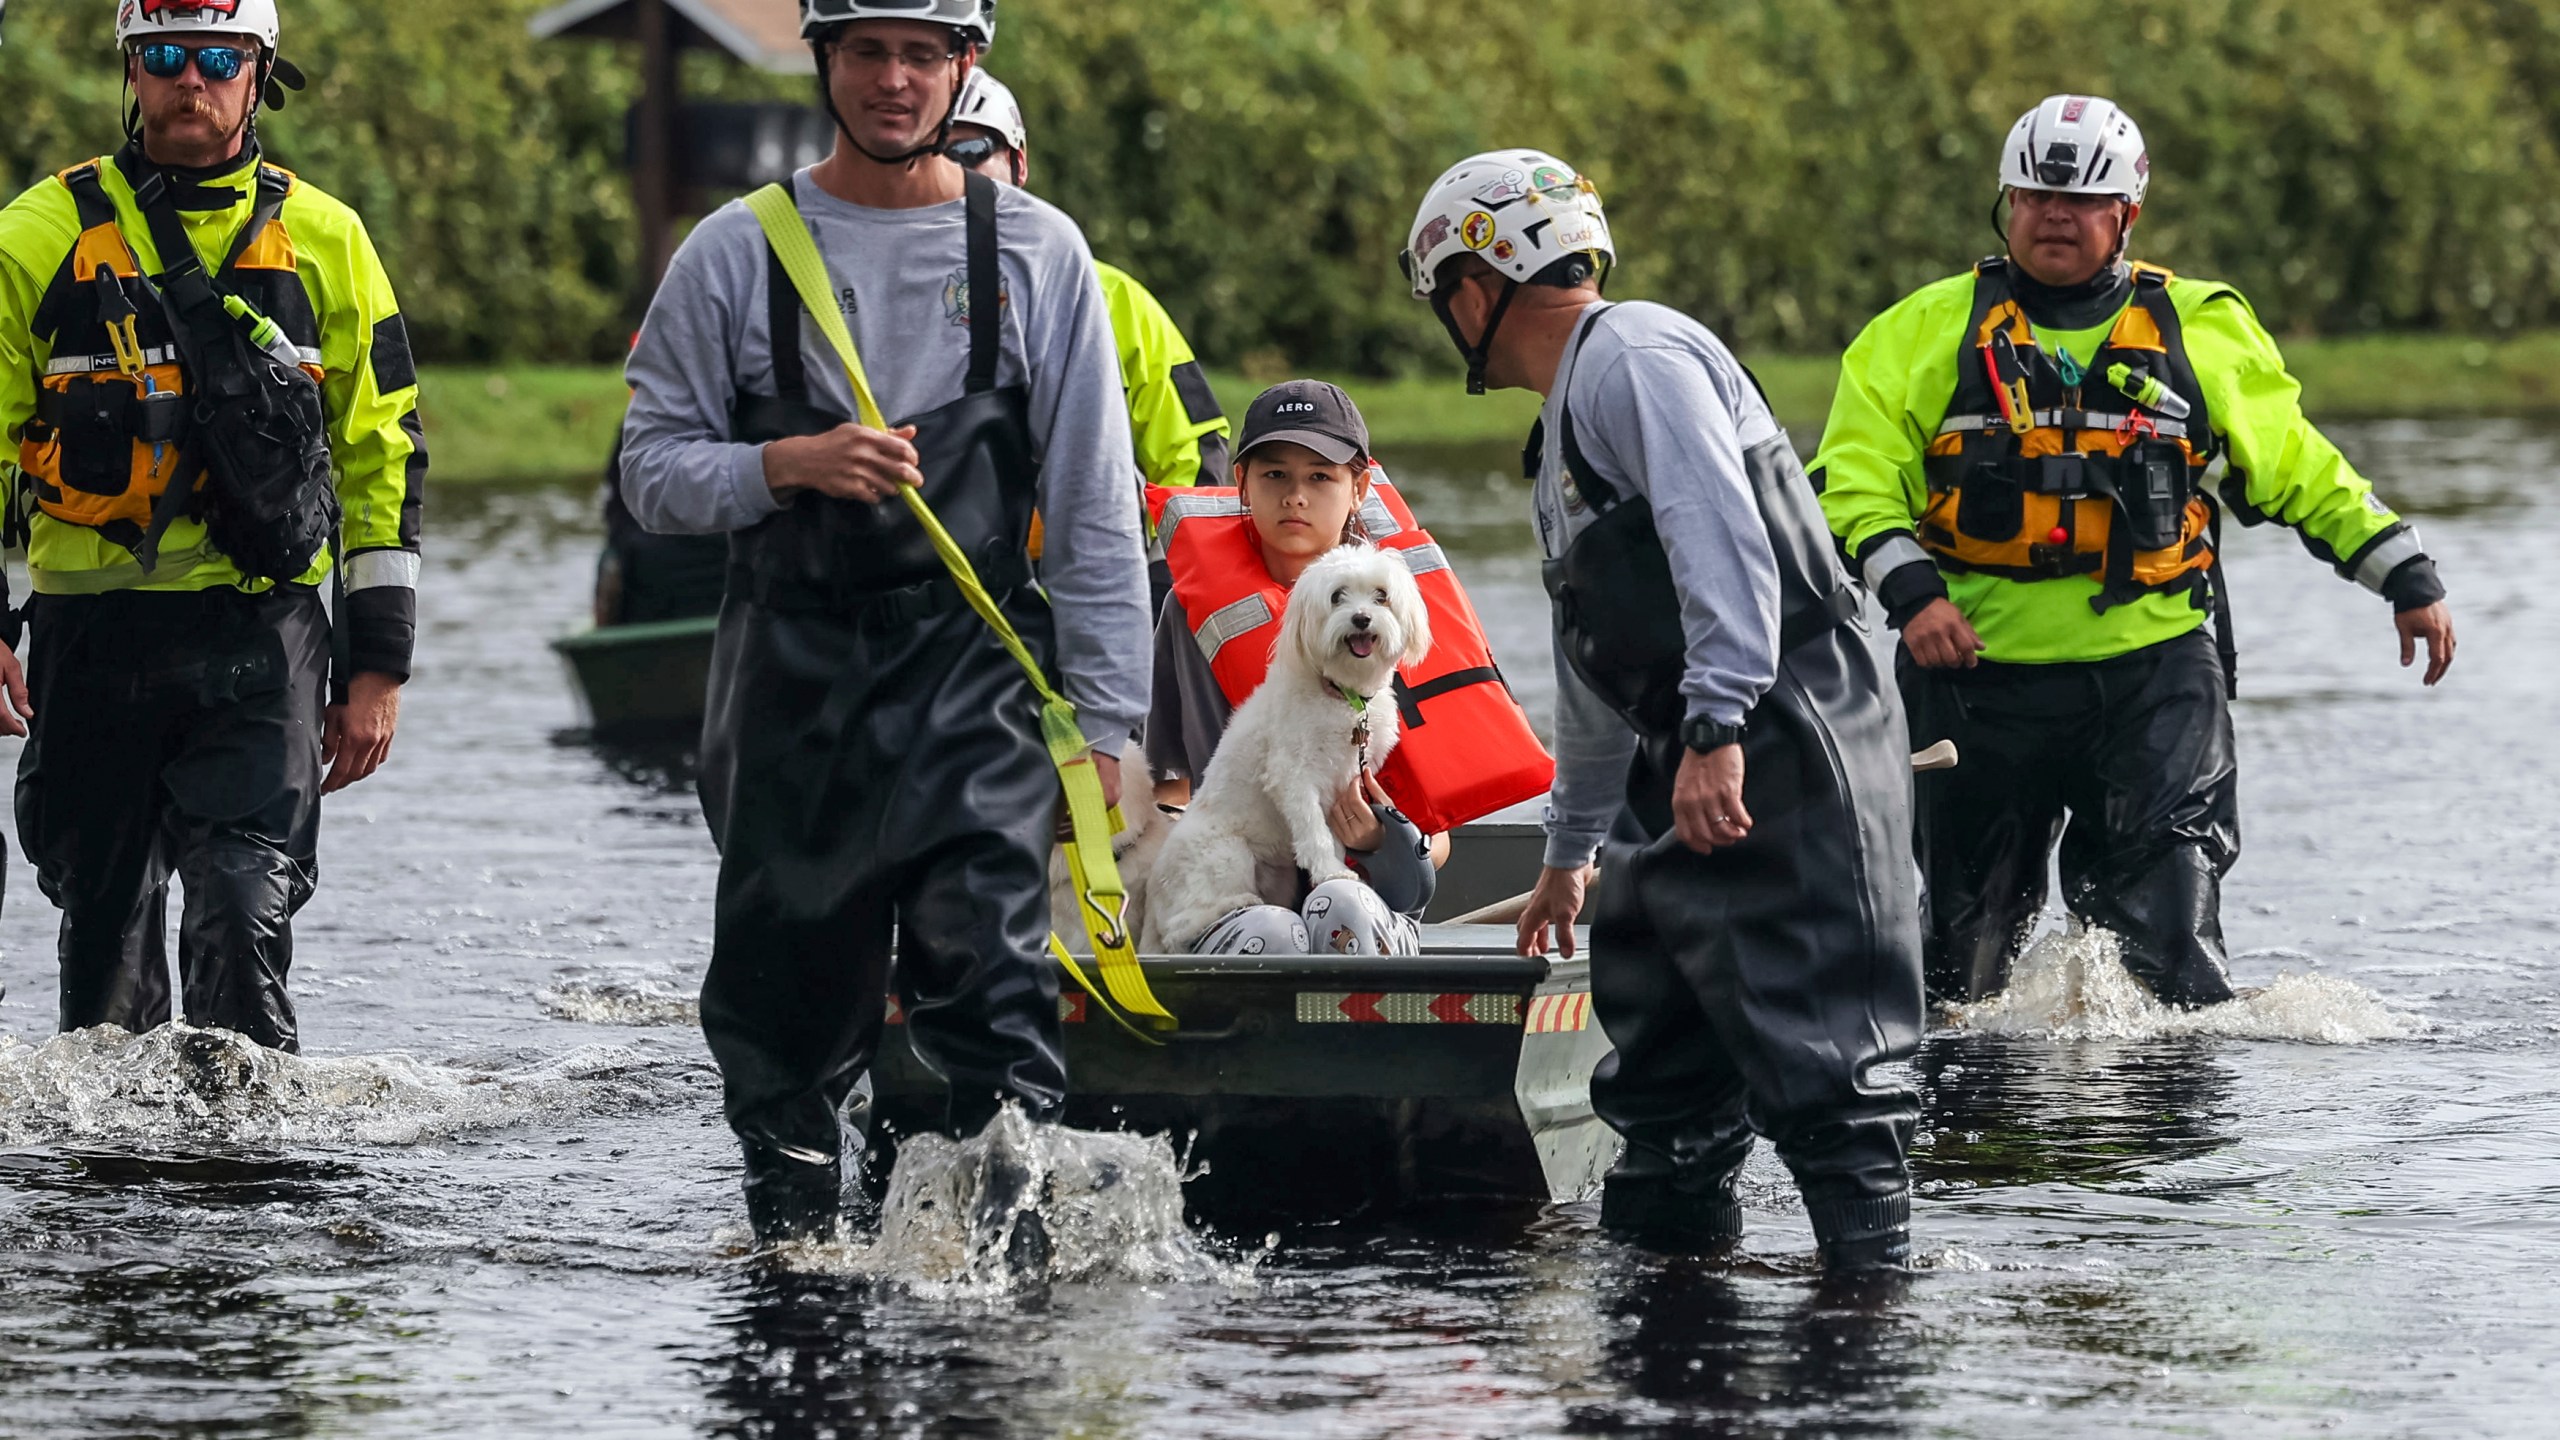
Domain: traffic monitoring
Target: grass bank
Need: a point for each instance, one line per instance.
(526, 421)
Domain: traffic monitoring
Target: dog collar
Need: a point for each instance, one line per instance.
(1359, 704)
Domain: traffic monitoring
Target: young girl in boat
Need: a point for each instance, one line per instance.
(1301, 474)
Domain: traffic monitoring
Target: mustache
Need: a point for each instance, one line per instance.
(181, 106)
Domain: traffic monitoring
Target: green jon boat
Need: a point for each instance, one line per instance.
(1304, 1085)
(641, 681)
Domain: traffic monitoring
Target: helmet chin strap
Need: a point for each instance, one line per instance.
(1475, 355)
(827, 99)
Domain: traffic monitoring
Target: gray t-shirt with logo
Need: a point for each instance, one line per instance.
(902, 282)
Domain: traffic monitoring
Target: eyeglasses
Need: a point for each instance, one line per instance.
(972, 151)
(165, 61)
(872, 55)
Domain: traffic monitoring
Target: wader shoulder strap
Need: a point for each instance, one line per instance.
(1586, 479)
(1102, 896)
(986, 285)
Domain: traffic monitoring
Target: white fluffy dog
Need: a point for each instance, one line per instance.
(1258, 816)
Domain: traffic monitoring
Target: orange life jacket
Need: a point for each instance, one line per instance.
(1465, 749)
(109, 445)
(2033, 476)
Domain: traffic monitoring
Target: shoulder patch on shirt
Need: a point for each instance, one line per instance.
(1199, 402)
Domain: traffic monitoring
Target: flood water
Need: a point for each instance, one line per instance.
(497, 1197)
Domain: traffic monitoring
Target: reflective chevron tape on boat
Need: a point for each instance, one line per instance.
(1365, 1007)
(1549, 1014)
(1070, 1009)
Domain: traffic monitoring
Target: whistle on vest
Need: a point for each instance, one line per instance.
(2144, 389)
(2008, 382)
(116, 312)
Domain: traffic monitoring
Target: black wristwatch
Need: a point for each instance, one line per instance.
(1702, 734)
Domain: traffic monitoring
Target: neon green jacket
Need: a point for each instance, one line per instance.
(1173, 414)
(1899, 376)
(369, 388)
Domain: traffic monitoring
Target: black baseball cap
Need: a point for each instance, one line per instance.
(1310, 413)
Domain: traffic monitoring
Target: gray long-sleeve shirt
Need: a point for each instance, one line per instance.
(902, 281)
(1661, 409)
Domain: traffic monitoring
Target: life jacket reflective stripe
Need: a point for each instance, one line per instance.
(1464, 750)
(108, 439)
(2032, 477)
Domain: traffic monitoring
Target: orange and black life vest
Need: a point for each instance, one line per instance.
(1465, 749)
(2043, 469)
(109, 444)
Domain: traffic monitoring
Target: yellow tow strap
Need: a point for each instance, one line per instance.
(1100, 895)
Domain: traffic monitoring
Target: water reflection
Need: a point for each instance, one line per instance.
(667, 764)
(2002, 1112)
(216, 1344)
(1701, 1351)
(811, 1356)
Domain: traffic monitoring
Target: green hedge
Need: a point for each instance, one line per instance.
(1782, 168)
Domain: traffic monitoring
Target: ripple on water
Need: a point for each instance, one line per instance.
(1111, 1203)
(2071, 984)
(180, 1083)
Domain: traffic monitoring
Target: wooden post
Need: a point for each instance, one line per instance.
(655, 185)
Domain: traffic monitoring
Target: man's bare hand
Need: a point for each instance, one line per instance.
(13, 682)
(1554, 902)
(1108, 767)
(1940, 638)
(355, 738)
(2434, 625)
(850, 462)
(1706, 799)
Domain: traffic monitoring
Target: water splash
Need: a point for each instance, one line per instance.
(620, 995)
(2071, 984)
(1109, 1204)
(179, 1083)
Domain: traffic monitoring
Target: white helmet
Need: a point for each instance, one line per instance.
(1520, 210)
(2077, 145)
(974, 18)
(988, 103)
(141, 21)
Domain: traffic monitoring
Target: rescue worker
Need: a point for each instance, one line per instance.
(1719, 719)
(191, 340)
(872, 757)
(2017, 462)
(1174, 416)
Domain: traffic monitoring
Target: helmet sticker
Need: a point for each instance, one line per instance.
(1476, 231)
(1510, 187)
(2073, 108)
(1433, 232)
(154, 9)
(1548, 180)
(1582, 235)
(1503, 250)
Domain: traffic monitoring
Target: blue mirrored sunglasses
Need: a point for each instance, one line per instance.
(214, 62)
